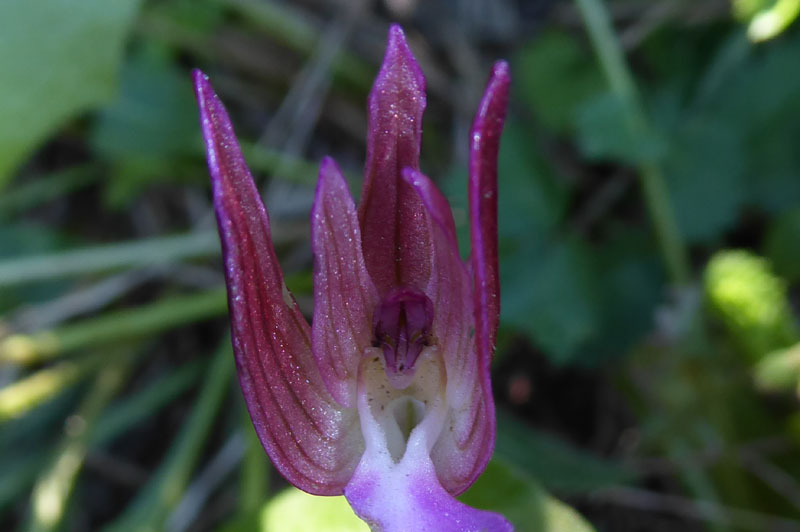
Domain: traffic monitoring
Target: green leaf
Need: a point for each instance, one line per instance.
(554, 295)
(523, 501)
(296, 511)
(150, 131)
(631, 283)
(554, 74)
(756, 100)
(154, 115)
(705, 178)
(774, 159)
(203, 17)
(605, 132)
(532, 199)
(246, 523)
(58, 58)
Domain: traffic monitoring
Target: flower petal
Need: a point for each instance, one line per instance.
(312, 442)
(485, 143)
(466, 444)
(344, 296)
(394, 232)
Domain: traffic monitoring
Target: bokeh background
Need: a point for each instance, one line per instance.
(648, 360)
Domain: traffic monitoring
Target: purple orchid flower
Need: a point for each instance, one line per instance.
(386, 397)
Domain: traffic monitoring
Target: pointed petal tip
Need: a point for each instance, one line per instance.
(396, 32)
(496, 94)
(327, 165)
(213, 116)
(435, 203)
(431, 197)
(328, 178)
(411, 176)
(199, 76)
(399, 56)
(397, 40)
(501, 71)
(328, 170)
(498, 86)
(202, 86)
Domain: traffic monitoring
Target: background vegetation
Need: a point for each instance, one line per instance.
(648, 364)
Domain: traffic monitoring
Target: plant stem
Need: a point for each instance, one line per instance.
(45, 188)
(601, 32)
(114, 327)
(139, 253)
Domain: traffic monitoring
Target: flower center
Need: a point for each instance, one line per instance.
(402, 324)
(391, 414)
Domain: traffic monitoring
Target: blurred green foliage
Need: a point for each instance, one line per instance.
(554, 75)
(110, 301)
(150, 129)
(751, 301)
(766, 18)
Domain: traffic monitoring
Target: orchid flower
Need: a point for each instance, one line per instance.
(386, 396)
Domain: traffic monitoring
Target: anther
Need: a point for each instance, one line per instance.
(402, 326)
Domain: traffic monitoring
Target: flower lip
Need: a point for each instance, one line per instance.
(402, 324)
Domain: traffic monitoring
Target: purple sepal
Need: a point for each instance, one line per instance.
(462, 450)
(344, 296)
(312, 441)
(394, 233)
(484, 147)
